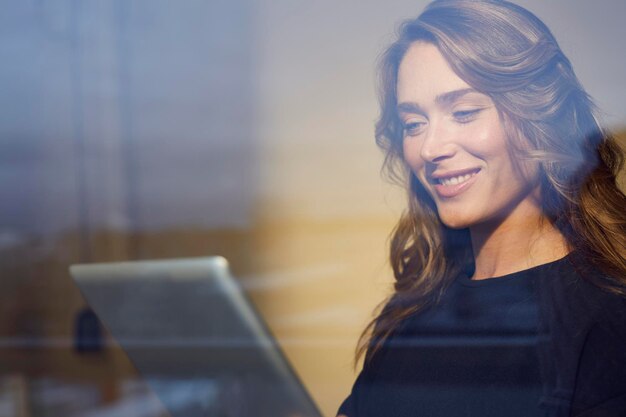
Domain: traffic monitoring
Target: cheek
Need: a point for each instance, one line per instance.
(492, 143)
(489, 142)
(411, 153)
(415, 163)
(507, 168)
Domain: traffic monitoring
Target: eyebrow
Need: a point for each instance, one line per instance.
(442, 99)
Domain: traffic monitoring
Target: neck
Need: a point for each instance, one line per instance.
(516, 243)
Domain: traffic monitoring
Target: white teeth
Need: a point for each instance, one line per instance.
(455, 180)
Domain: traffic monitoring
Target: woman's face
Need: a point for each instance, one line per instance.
(455, 143)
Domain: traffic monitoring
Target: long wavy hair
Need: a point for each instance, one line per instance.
(506, 52)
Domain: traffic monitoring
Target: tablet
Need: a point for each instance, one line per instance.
(194, 337)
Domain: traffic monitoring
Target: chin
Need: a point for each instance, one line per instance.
(455, 222)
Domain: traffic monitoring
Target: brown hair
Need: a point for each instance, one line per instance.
(506, 52)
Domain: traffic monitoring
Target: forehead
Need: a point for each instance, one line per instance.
(424, 74)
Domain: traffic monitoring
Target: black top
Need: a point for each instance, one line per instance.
(540, 342)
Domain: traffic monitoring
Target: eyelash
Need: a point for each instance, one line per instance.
(412, 128)
(462, 116)
(465, 116)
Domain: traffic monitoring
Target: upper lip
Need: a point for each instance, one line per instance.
(442, 174)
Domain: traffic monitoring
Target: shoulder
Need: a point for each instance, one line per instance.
(601, 375)
(591, 322)
(578, 289)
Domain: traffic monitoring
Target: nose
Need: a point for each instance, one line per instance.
(438, 142)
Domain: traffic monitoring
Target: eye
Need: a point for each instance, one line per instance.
(413, 127)
(466, 116)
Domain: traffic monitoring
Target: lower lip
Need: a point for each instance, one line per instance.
(449, 191)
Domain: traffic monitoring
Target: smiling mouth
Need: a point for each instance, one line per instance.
(451, 178)
(452, 184)
(456, 180)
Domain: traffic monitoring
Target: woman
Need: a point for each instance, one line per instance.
(510, 261)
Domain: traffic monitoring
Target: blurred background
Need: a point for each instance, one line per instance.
(152, 129)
